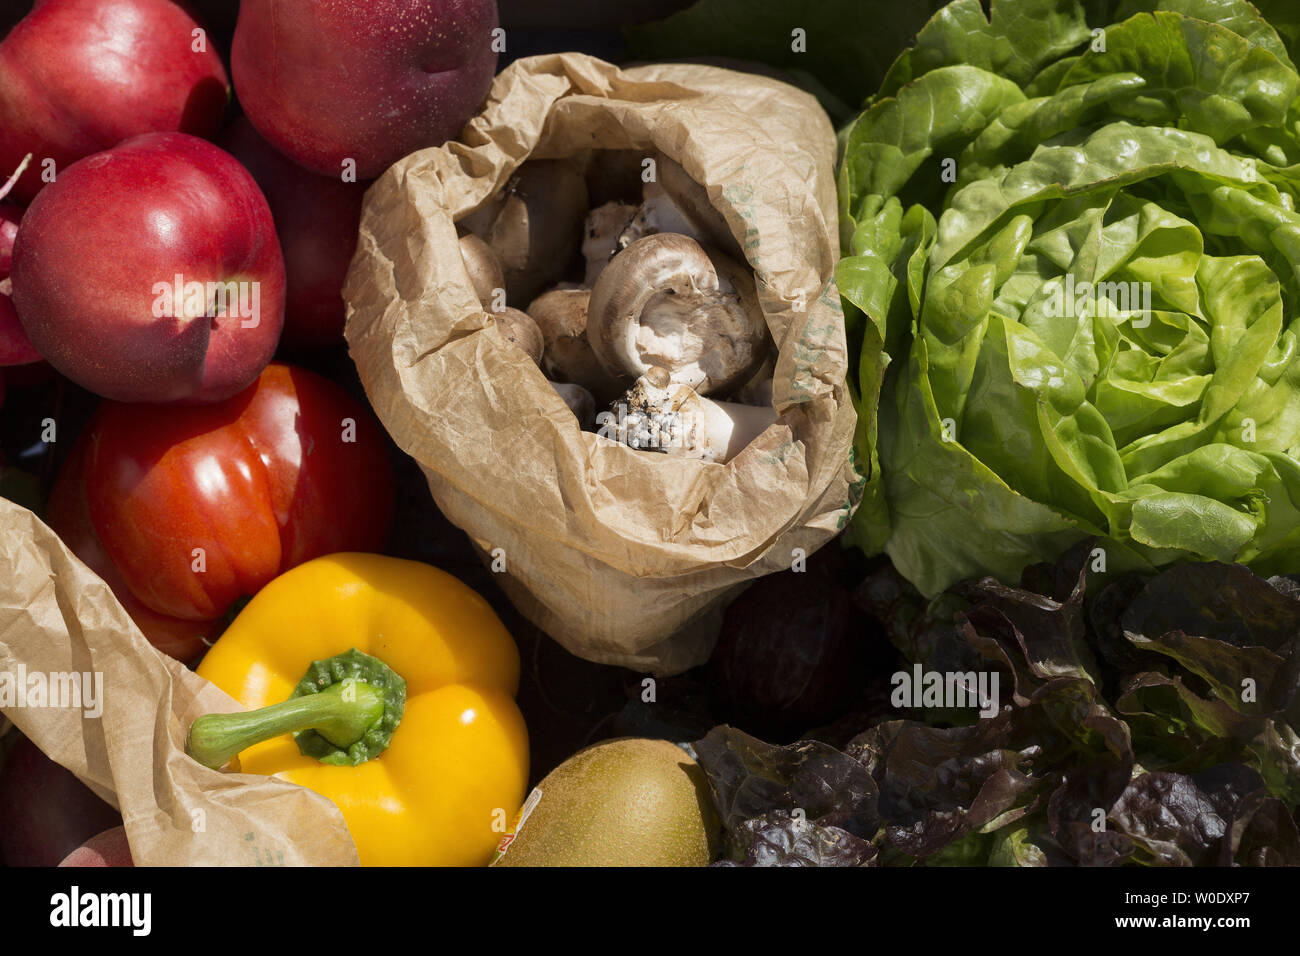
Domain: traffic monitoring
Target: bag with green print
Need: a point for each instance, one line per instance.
(624, 556)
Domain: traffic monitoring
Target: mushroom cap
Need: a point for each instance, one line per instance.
(519, 328)
(560, 313)
(667, 301)
(538, 229)
(603, 236)
(483, 268)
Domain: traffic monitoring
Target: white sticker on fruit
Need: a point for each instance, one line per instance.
(529, 805)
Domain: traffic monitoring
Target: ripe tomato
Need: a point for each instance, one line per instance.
(183, 510)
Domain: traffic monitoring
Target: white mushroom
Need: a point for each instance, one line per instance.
(602, 233)
(665, 302)
(579, 400)
(535, 226)
(519, 328)
(674, 202)
(561, 314)
(674, 419)
(484, 269)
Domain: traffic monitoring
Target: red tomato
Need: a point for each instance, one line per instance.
(183, 510)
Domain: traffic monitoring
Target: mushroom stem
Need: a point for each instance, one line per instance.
(674, 419)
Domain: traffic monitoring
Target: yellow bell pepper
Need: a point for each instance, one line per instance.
(457, 762)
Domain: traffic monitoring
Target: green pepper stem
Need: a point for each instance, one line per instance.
(341, 713)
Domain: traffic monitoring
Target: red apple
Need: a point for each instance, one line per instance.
(80, 76)
(329, 80)
(151, 272)
(45, 811)
(109, 848)
(317, 218)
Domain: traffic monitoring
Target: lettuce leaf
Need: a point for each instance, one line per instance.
(1072, 252)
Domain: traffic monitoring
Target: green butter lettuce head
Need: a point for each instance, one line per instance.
(1073, 262)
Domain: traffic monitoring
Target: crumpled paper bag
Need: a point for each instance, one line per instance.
(625, 557)
(57, 617)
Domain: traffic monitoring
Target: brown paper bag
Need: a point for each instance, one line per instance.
(57, 617)
(625, 557)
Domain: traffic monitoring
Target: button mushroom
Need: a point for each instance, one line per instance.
(484, 269)
(579, 400)
(519, 328)
(674, 202)
(668, 417)
(664, 301)
(603, 236)
(536, 227)
(561, 314)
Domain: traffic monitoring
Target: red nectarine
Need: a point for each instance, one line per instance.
(151, 272)
(80, 76)
(326, 81)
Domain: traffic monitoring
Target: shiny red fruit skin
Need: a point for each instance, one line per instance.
(94, 249)
(326, 81)
(81, 76)
(186, 509)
